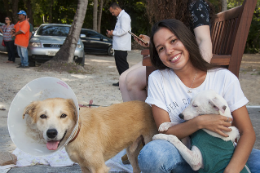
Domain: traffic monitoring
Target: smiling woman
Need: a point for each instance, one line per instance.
(182, 74)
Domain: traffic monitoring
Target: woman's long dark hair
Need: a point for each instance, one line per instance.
(187, 39)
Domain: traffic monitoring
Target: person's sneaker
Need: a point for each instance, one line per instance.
(19, 66)
(116, 84)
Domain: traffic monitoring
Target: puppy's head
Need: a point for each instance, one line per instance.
(206, 102)
(55, 118)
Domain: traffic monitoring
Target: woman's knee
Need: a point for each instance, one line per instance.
(254, 161)
(158, 156)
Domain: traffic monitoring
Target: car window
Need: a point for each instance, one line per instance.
(92, 34)
(48, 30)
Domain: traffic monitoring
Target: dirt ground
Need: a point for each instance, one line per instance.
(96, 84)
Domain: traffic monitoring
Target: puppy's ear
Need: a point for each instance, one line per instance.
(218, 105)
(30, 110)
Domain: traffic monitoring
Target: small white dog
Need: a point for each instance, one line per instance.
(210, 151)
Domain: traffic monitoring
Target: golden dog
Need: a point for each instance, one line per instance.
(102, 132)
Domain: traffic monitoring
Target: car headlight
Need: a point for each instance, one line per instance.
(79, 46)
(34, 44)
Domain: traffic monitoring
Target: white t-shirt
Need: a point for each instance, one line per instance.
(166, 91)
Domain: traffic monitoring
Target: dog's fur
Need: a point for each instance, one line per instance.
(104, 131)
(206, 102)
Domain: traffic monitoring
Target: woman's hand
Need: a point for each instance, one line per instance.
(215, 123)
(145, 38)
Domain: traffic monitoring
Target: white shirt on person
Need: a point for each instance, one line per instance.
(121, 37)
(166, 91)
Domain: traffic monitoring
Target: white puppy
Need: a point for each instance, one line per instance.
(206, 102)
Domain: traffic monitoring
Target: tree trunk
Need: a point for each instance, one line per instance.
(28, 5)
(100, 10)
(95, 7)
(15, 11)
(66, 52)
(50, 12)
(224, 5)
(7, 9)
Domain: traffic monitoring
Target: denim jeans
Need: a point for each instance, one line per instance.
(10, 50)
(160, 156)
(23, 54)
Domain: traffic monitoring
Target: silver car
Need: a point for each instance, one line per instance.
(47, 41)
(2, 48)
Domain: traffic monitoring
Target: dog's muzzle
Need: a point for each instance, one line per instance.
(181, 116)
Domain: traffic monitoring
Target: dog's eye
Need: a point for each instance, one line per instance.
(43, 116)
(195, 106)
(63, 115)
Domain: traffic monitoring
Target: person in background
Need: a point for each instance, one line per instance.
(31, 28)
(8, 39)
(195, 14)
(121, 37)
(22, 34)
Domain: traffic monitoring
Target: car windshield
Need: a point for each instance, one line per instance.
(48, 30)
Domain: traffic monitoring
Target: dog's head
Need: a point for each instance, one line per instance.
(55, 118)
(206, 102)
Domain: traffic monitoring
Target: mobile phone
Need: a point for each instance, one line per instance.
(137, 37)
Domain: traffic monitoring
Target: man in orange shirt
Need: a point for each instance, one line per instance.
(22, 31)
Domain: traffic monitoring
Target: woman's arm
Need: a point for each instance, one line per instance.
(202, 34)
(216, 123)
(246, 142)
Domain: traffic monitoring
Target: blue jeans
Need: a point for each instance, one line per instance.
(23, 54)
(160, 156)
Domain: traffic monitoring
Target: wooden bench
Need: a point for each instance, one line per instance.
(228, 34)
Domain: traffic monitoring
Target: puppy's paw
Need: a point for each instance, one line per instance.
(234, 134)
(173, 139)
(165, 126)
(160, 136)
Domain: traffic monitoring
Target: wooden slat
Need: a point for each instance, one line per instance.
(145, 52)
(220, 59)
(147, 61)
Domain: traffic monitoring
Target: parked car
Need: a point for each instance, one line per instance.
(96, 43)
(48, 39)
(2, 48)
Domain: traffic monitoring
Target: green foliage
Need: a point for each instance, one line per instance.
(253, 40)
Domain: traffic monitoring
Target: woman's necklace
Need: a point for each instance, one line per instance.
(189, 90)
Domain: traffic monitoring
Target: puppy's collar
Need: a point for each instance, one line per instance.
(75, 134)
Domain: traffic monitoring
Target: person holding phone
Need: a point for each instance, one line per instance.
(8, 39)
(121, 38)
(195, 14)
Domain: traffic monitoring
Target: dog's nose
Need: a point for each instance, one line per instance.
(52, 133)
(181, 115)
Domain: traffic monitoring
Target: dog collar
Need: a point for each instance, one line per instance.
(75, 136)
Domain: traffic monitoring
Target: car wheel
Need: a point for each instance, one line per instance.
(31, 62)
(110, 51)
(81, 61)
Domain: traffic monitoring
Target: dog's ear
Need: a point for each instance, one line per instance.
(218, 105)
(30, 110)
(72, 105)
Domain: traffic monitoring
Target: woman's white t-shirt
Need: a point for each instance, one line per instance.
(166, 91)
